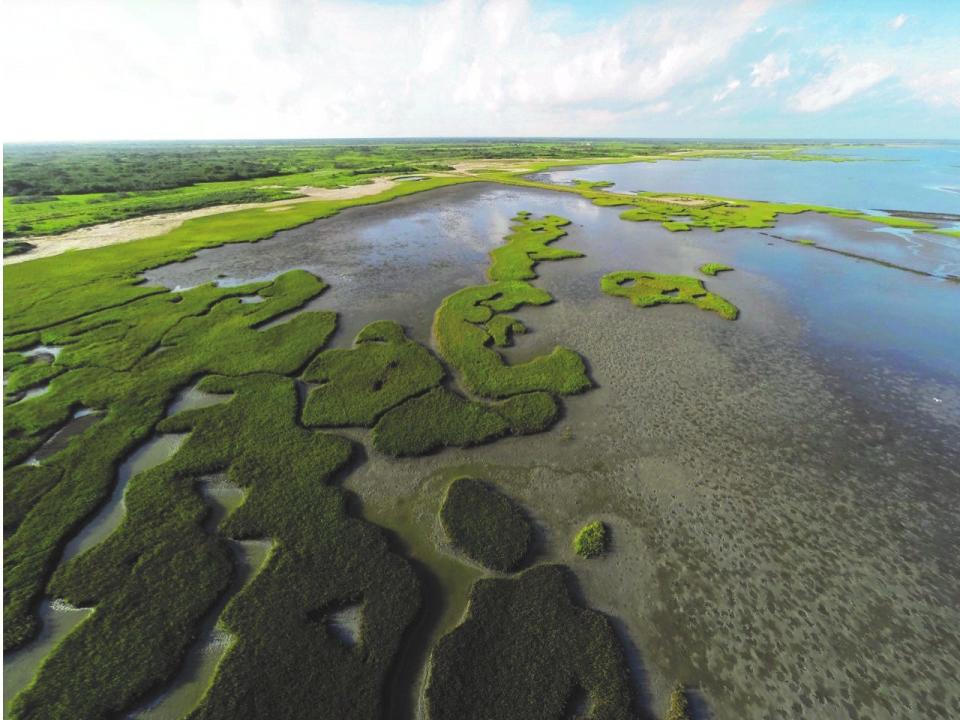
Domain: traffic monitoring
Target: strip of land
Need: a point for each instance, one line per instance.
(151, 225)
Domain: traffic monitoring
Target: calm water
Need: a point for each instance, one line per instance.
(914, 177)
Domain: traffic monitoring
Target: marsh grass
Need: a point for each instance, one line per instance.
(647, 289)
(484, 524)
(524, 650)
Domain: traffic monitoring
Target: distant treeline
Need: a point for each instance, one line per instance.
(68, 169)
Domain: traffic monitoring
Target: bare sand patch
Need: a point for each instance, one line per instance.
(681, 200)
(151, 225)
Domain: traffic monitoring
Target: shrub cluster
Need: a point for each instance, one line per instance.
(591, 540)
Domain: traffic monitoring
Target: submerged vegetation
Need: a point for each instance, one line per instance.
(484, 524)
(646, 289)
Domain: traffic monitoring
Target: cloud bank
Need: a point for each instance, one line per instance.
(103, 69)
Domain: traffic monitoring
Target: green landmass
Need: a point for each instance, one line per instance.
(647, 289)
(525, 649)
(678, 707)
(712, 269)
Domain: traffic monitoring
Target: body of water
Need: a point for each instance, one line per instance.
(919, 178)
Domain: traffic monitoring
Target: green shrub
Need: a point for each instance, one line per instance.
(591, 540)
(484, 524)
(679, 706)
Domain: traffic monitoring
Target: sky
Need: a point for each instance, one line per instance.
(193, 69)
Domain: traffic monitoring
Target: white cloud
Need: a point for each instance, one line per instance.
(939, 88)
(772, 69)
(899, 21)
(268, 68)
(839, 86)
(723, 92)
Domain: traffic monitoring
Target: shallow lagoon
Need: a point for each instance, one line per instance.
(782, 490)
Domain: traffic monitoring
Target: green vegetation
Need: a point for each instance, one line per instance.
(357, 386)
(52, 290)
(527, 244)
(203, 331)
(591, 540)
(441, 418)
(162, 563)
(524, 651)
(16, 247)
(806, 241)
(646, 289)
(127, 350)
(712, 269)
(484, 524)
(679, 707)
(463, 332)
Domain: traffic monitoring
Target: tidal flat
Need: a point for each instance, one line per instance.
(781, 491)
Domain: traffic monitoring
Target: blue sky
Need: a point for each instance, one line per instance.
(109, 69)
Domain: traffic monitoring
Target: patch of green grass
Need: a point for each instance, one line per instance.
(49, 291)
(55, 188)
(712, 269)
(463, 340)
(647, 289)
(805, 241)
(484, 524)
(678, 707)
(357, 386)
(524, 650)
(527, 244)
(441, 418)
(591, 540)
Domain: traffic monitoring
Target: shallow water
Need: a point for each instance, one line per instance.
(191, 682)
(78, 423)
(57, 619)
(156, 450)
(782, 490)
(915, 177)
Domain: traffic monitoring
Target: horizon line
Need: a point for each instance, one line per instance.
(496, 138)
